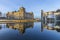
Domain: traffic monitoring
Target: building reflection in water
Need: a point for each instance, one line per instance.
(0, 26)
(50, 26)
(20, 26)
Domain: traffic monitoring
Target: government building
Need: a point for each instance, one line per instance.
(20, 14)
(51, 16)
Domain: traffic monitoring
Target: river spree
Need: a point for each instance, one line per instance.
(30, 31)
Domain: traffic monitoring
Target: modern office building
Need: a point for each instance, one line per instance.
(51, 16)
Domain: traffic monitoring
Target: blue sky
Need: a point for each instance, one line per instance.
(31, 5)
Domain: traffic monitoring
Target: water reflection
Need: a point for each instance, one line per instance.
(14, 31)
(30, 31)
(0, 27)
(20, 26)
(50, 26)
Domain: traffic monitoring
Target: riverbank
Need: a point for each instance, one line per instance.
(12, 21)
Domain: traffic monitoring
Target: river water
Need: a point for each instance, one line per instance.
(30, 31)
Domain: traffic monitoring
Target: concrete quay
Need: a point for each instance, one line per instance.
(15, 21)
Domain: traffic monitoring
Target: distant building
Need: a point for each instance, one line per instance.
(1, 16)
(37, 19)
(20, 14)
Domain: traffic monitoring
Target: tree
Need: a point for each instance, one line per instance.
(58, 10)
